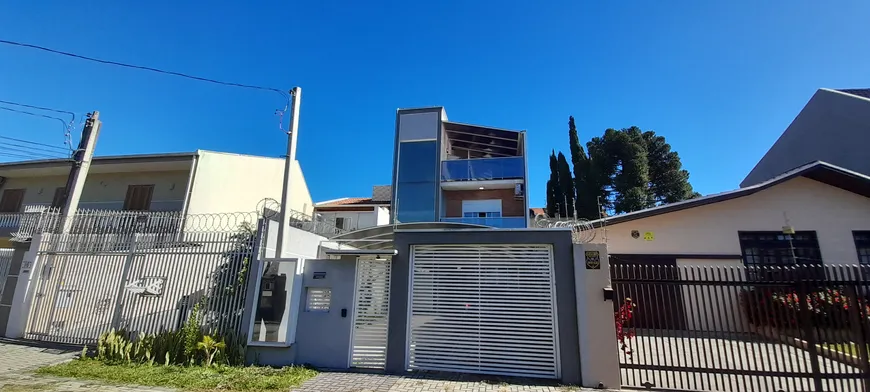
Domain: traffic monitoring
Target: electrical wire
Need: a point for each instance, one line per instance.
(31, 142)
(25, 151)
(140, 67)
(40, 108)
(40, 150)
(21, 156)
(34, 114)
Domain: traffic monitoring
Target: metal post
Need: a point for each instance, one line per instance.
(806, 322)
(119, 296)
(79, 171)
(296, 94)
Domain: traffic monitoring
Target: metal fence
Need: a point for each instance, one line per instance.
(5, 264)
(797, 328)
(38, 219)
(141, 272)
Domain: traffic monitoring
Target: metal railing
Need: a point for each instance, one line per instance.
(483, 169)
(761, 328)
(40, 219)
(506, 222)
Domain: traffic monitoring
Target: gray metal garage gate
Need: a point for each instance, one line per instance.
(483, 309)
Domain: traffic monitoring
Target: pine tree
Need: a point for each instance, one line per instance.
(584, 187)
(554, 204)
(566, 186)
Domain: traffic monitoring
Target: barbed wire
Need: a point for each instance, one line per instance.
(582, 230)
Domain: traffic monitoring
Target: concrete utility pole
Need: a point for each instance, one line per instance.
(79, 171)
(296, 95)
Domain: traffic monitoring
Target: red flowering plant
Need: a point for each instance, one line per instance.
(622, 317)
(779, 308)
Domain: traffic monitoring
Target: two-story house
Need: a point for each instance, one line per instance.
(196, 182)
(354, 213)
(447, 171)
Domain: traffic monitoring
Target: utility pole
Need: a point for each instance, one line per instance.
(79, 171)
(296, 96)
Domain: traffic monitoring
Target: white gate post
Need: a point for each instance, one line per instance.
(25, 287)
(599, 360)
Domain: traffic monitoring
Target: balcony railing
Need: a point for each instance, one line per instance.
(517, 222)
(483, 169)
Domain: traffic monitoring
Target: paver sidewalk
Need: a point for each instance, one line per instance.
(19, 359)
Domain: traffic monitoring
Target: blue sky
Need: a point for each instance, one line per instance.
(719, 79)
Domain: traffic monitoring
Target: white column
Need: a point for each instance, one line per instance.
(24, 290)
(599, 361)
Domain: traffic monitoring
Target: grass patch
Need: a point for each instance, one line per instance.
(195, 378)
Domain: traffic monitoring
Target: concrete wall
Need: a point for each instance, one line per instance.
(226, 182)
(712, 229)
(566, 302)
(108, 190)
(833, 127)
(599, 363)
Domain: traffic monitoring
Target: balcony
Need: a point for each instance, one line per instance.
(511, 222)
(483, 169)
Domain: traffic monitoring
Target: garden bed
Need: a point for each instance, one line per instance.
(188, 378)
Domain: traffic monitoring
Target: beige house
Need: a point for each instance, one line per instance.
(193, 182)
(826, 205)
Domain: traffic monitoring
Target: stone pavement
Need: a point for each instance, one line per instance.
(425, 382)
(18, 359)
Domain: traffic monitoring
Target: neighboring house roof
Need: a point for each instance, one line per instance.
(861, 92)
(535, 211)
(820, 171)
(350, 201)
(834, 126)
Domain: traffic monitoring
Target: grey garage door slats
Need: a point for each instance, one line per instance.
(483, 309)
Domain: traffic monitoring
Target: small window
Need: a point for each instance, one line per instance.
(12, 200)
(862, 245)
(339, 223)
(318, 299)
(138, 197)
(59, 197)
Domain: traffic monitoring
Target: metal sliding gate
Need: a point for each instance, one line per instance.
(736, 328)
(370, 313)
(138, 282)
(5, 265)
(487, 309)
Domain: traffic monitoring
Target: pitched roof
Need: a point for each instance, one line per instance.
(349, 201)
(861, 92)
(820, 171)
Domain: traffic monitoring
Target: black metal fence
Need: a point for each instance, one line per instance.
(735, 328)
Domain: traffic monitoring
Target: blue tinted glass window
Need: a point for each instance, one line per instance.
(416, 182)
(416, 203)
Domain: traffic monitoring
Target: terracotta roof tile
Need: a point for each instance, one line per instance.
(352, 201)
(535, 211)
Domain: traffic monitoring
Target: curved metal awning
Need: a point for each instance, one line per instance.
(381, 237)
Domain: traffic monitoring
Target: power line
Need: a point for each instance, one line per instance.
(33, 148)
(30, 142)
(25, 151)
(41, 108)
(22, 156)
(35, 114)
(140, 67)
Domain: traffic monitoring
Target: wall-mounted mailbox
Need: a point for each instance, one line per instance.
(320, 275)
(344, 312)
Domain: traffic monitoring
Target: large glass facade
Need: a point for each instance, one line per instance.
(416, 182)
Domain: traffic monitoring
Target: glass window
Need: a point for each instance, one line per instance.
(774, 249)
(862, 244)
(416, 182)
(415, 202)
(418, 162)
(272, 317)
